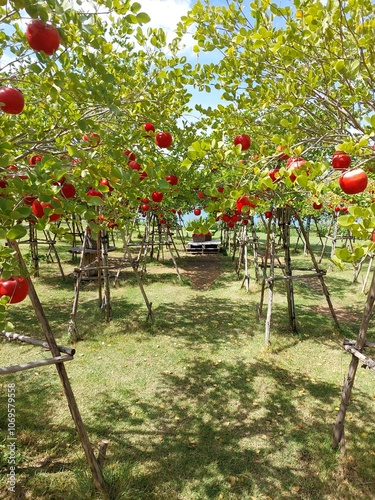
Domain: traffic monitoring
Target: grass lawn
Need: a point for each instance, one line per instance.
(194, 405)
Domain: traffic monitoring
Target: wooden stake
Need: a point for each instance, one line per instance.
(338, 437)
(60, 367)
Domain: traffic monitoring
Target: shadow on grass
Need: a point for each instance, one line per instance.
(39, 441)
(213, 433)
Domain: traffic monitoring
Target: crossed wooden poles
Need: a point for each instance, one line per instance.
(60, 355)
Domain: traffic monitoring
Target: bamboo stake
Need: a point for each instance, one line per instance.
(140, 284)
(73, 407)
(72, 328)
(370, 363)
(264, 267)
(107, 290)
(338, 438)
(34, 364)
(41, 343)
(270, 287)
(319, 272)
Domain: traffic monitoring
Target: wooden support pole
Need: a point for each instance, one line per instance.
(338, 438)
(320, 272)
(270, 287)
(34, 364)
(41, 343)
(369, 362)
(60, 367)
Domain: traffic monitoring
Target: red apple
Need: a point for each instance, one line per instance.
(353, 181)
(149, 128)
(11, 100)
(3, 183)
(34, 159)
(145, 207)
(14, 287)
(294, 164)
(95, 192)
(157, 196)
(220, 189)
(129, 154)
(163, 139)
(201, 195)
(274, 175)
(341, 160)
(134, 165)
(42, 37)
(244, 140)
(105, 182)
(172, 179)
(68, 190)
(268, 214)
(197, 211)
(244, 201)
(317, 206)
(29, 200)
(38, 208)
(281, 155)
(93, 139)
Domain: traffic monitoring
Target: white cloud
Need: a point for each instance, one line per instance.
(165, 13)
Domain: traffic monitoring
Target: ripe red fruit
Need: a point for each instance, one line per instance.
(268, 214)
(197, 211)
(274, 175)
(94, 192)
(245, 222)
(353, 181)
(14, 287)
(93, 139)
(42, 37)
(244, 201)
(294, 164)
(38, 208)
(220, 189)
(68, 191)
(201, 195)
(142, 175)
(129, 154)
(3, 183)
(149, 127)
(281, 155)
(29, 200)
(244, 140)
(317, 206)
(134, 165)
(105, 182)
(172, 179)
(163, 139)
(35, 159)
(341, 160)
(157, 196)
(145, 207)
(11, 100)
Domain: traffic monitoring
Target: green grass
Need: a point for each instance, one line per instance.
(194, 406)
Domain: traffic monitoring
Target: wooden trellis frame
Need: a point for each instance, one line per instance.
(283, 217)
(59, 362)
(347, 238)
(101, 266)
(34, 241)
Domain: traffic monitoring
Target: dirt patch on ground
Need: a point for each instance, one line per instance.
(342, 314)
(201, 270)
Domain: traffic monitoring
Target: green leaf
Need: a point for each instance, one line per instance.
(143, 18)
(16, 232)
